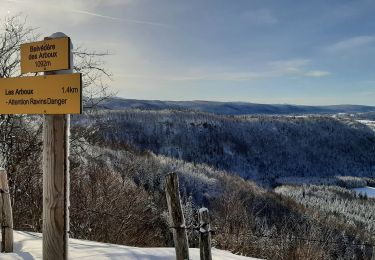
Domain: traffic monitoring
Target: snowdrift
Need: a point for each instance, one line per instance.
(28, 246)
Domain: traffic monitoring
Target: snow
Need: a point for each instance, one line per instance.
(370, 191)
(366, 122)
(201, 210)
(369, 123)
(28, 246)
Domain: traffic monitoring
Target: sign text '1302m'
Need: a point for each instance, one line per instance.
(48, 55)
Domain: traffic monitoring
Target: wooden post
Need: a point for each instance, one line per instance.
(56, 182)
(177, 220)
(205, 234)
(5, 214)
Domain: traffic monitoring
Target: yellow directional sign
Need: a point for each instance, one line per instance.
(50, 94)
(48, 55)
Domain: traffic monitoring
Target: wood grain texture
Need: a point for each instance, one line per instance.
(56, 178)
(56, 187)
(177, 220)
(5, 214)
(204, 235)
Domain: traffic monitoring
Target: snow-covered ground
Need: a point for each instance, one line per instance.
(29, 246)
(369, 123)
(370, 191)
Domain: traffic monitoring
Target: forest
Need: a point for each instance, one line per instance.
(259, 148)
(119, 160)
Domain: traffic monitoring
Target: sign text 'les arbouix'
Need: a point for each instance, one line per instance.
(48, 55)
(50, 94)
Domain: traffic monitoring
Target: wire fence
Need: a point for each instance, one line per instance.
(259, 235)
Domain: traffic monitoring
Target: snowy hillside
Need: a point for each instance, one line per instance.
(231, 108)
(29, 246)
(260, 148)
(369, 123)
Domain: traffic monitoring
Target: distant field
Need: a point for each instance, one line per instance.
(369, 123)
(369, 191)
(231, 108)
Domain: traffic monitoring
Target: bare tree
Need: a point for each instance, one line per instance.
(14, 31)
(94, 76)
(20, 142)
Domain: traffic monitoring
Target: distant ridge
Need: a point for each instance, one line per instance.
(231, 108)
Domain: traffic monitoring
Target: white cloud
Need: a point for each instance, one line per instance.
(317, 73)
(352, 43)
(366, 93)
(260, 16)
(369, 82)
(289, 66)
(267, 70)
(116, 2)
(120, 19)
(273, 69)
(73, 11)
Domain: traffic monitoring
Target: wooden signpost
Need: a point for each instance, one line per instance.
(56, 95)
(56, 177)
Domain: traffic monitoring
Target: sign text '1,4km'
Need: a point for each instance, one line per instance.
(48, 55)
(50, 94)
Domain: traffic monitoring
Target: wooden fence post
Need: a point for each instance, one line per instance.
(5, 214)
(56, 181)
(204, 234)
(177, 220)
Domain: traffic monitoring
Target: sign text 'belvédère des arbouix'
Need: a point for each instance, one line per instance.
(48, 55)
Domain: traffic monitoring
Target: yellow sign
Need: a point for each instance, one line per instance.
(48, 55)
(50, 94)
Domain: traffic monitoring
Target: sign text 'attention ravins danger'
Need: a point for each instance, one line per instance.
(50, 94)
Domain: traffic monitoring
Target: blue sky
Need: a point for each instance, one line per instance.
(299, 52)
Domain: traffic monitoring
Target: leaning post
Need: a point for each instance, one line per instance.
(56, 181)
(177, 220)
(5, 214)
